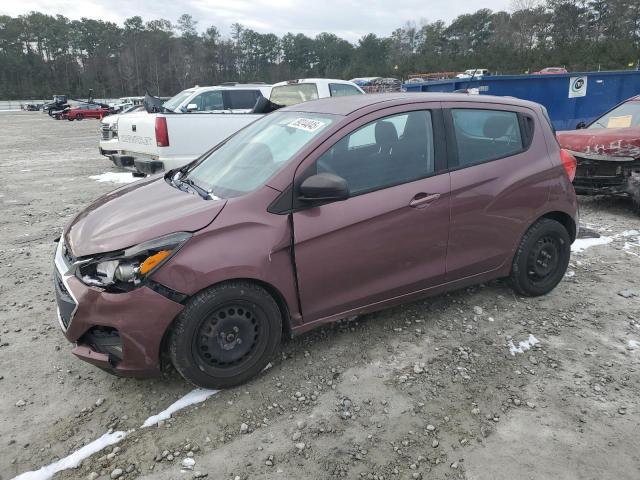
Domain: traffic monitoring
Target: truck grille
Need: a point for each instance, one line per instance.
(106, 132)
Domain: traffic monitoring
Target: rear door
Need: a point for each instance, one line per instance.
(390, 237)
(500, 171)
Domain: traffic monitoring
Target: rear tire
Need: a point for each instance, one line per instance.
(79, 117)
(541, 259)
(225, 335)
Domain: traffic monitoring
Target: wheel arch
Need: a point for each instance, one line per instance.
(287, 328)
(565, 220)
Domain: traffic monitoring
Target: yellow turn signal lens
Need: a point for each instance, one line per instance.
(151, 262)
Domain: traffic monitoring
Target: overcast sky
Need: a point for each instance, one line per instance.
(349, 19)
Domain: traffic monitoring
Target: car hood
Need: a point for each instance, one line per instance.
(606, 142)
(135, 213)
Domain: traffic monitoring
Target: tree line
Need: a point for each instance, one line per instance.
(41, 55)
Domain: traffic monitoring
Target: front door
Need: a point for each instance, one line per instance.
(390, 237)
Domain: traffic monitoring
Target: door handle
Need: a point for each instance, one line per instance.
(423, 199)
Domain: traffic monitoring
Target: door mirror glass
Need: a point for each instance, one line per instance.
(324, 187)
(192, 107)
(581, 125)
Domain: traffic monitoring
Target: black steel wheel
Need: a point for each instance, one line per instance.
(225, 335)
(541, 259)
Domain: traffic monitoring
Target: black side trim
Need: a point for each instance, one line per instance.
(527, 126)
(167, 292)
(283, 202)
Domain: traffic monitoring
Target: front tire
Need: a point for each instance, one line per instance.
(225, 335)
(541, 259)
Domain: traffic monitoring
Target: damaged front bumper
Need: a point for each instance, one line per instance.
(606, 175)
(119, 332)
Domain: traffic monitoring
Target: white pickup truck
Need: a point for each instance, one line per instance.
(197, 119)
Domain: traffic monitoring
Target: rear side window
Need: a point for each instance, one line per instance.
(342, 89)
(240, 99)
(484, 135)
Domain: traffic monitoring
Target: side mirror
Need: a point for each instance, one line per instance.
(581, 125)
(324, 187)
(192, 107)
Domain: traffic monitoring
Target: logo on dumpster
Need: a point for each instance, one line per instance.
(577, 87)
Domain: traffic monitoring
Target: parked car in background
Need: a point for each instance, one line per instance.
(32, 107)
(109, 144)
(197, 119)
(608, 152)
(59, 103)
(474, 73)
(125, 103)
(364, 82)
(315, 212)
(550, 71)
(87, 110)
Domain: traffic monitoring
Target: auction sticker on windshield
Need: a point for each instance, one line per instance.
(623, 121)
(306, 124)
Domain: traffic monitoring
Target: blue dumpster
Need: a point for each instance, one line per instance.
(569, 97)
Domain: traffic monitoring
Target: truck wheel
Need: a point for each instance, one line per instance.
(541, 259)
(225, 335)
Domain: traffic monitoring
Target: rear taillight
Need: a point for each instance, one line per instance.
(162, 134)
(569, 163)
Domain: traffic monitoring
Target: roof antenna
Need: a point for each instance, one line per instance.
(466, 90)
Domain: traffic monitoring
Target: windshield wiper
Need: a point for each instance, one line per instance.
(201, 191)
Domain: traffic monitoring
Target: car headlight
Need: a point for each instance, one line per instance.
(126, 269)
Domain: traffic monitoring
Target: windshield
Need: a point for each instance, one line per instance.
(176, 100)
(294, 93)
(626, 115)
(250, 157)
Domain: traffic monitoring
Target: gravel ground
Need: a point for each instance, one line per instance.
(428, 390)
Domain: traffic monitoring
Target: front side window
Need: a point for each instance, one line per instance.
(175, 101)
(253, 155)
(342, 89)
(484, 135)
(389, 151)
(294, 93)
(626, 115)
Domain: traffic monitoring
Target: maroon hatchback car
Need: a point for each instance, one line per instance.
(315, 212)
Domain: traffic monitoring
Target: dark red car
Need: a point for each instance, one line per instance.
(316, 212)
(608, 152)
(81, 112)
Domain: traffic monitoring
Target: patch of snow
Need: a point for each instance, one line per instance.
(570, 273)
(26, 170)
(198, 395)
(522, 346)
(581, 244)
(74, 459)
(114, 177)
(633, 344)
